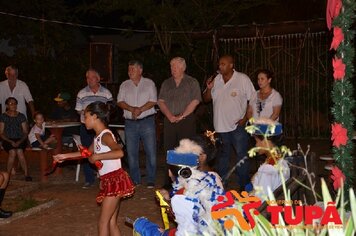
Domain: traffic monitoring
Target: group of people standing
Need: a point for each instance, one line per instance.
(234, 100)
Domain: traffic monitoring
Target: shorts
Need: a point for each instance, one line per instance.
(8, 146)
(37, 144)
(115, 184)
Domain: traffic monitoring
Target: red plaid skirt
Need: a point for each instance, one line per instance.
(115, 183)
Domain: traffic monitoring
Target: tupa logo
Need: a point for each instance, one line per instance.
(292, 216)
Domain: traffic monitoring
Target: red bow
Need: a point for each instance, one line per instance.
(332, 10)
(337, 39)
(339, 69)
(338, 177)
(338, 135)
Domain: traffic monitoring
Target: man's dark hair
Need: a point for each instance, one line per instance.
(136, 63)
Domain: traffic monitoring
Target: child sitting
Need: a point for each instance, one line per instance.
(37, 136)
(194, 194)
(268, 174)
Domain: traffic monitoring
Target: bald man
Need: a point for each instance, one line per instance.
(230, 92)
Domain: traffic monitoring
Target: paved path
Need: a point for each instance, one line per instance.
(76, 212)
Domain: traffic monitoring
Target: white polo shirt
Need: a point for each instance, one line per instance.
(137, 96)
(87, 96)
(21, 92)
(230, 100)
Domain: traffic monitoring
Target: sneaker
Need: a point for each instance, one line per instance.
(150, 185)
(28, 178)
(87, 185)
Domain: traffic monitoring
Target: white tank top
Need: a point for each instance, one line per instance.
(99, 147)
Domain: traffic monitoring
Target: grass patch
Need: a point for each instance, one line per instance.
(22, 203)
(27, 203)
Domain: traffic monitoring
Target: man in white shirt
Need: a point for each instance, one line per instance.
(137, 97)
(13, 87)
(91, 93)
(230, 92)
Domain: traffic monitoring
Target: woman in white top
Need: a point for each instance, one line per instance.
(266, 102)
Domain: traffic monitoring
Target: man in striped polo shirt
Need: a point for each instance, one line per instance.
(93, 92)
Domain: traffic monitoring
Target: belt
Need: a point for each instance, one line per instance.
(144, 118)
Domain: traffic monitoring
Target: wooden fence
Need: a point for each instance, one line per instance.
(301, 64)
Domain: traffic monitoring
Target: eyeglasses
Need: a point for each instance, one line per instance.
(12, 103)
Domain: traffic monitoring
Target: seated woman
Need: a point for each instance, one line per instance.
(268, 174)
(194, 193)
(37, 136)
(13, 131)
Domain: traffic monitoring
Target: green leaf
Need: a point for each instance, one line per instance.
(350, 228)
(353, 207)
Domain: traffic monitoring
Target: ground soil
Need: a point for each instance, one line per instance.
(76, 212)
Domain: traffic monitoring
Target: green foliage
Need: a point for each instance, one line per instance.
(342, 94)
(264, 227)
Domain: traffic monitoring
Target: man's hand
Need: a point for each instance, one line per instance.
(173, 119)
(136, 112)
(210, 83)
(241, 122)
(180, 117)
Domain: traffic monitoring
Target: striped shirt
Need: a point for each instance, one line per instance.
(87, 96)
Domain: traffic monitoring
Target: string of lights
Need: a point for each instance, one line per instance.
(97, 26)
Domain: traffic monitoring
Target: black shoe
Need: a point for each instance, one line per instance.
(28, 178)
(5, 214)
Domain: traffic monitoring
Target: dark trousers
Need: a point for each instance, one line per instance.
(238, 140)
(173, 133)
(87, 138)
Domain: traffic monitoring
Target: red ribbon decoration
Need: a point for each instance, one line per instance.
(337, 39)
(338, 177)
(332, 10)
(85, 153)
(339, 69)
(338, 135)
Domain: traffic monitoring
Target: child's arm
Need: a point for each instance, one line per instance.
(63, 156)
(115, 153)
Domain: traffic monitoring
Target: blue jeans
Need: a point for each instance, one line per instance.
(145, 130)
(238, 139)
(87, 138)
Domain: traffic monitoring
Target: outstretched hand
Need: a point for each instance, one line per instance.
(59, 158)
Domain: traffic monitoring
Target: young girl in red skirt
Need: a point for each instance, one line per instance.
(115, 183)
